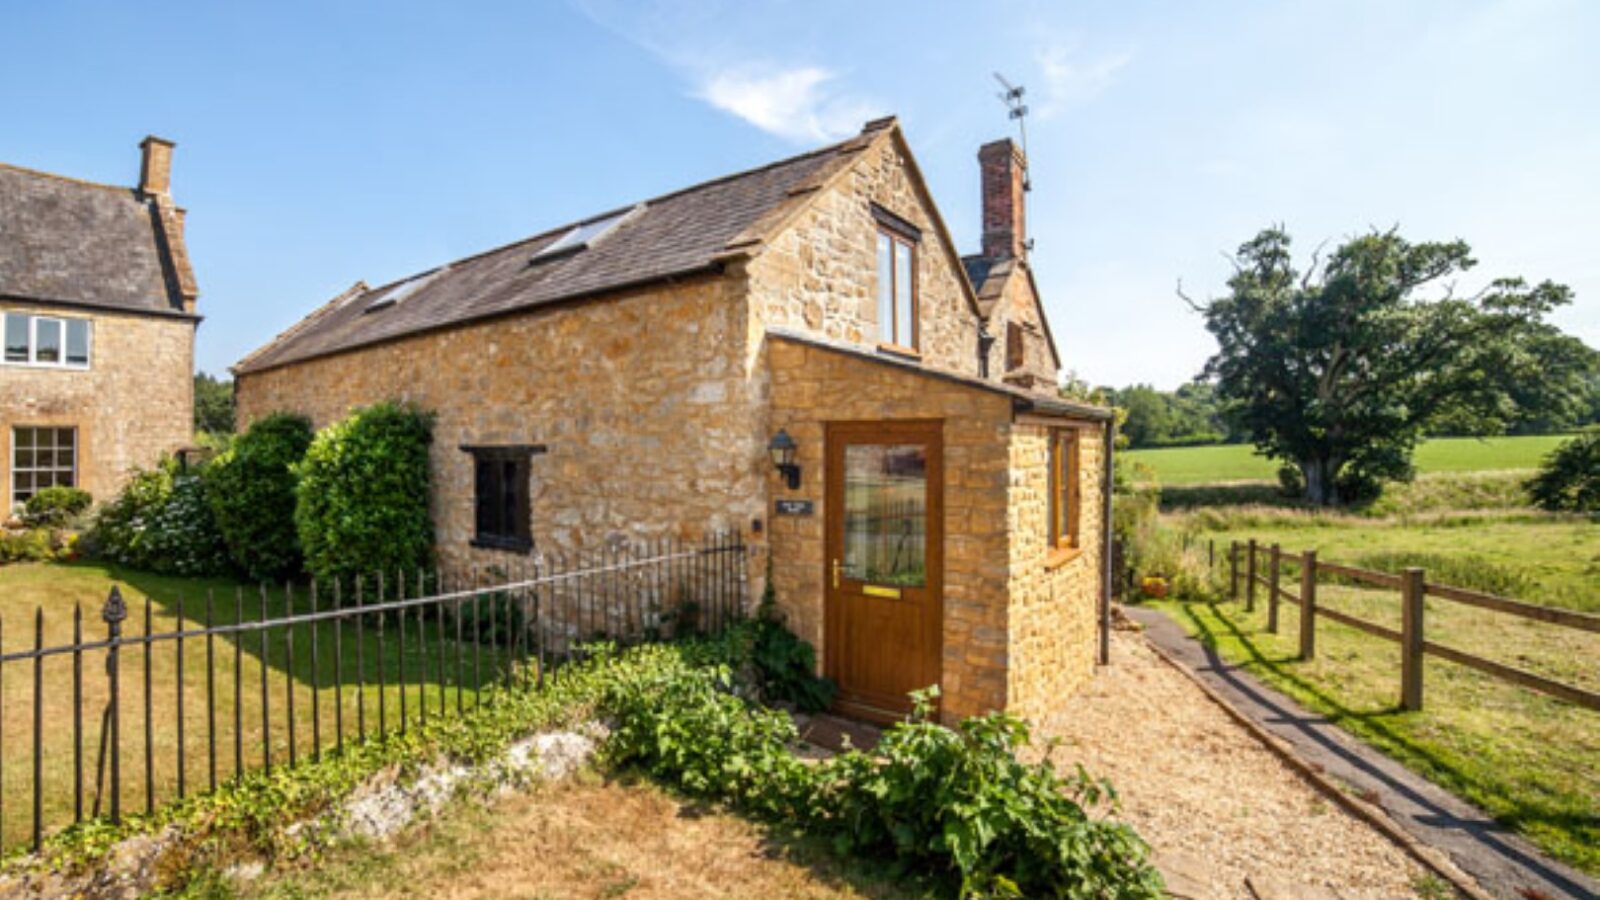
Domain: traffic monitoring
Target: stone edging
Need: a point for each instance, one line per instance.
(377, 809)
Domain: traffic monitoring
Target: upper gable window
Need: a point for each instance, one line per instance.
(897, 289)
(47, 341)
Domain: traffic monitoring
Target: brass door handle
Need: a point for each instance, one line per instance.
(836, 574)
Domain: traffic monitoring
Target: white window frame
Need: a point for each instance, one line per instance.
(32, 361)
(53, 467)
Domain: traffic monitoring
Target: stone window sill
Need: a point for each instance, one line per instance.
(1060, 557)
(898, 350)
(508, 544)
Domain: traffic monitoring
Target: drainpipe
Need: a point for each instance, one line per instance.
(1105, 547)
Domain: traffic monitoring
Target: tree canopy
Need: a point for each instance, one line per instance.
(1185, 417)
(1340, 369)
(213, 404)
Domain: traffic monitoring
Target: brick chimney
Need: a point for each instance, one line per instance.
(1004, 169)
(155, 172)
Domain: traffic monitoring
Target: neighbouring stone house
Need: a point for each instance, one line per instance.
(639, 373)
(97, 307)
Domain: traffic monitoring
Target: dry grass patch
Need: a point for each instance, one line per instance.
(589, 839)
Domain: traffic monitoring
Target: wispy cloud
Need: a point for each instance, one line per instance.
(801, 104)
(799, 100)
(1070, 80)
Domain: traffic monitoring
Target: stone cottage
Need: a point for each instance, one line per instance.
(97, 307)
(938, 514)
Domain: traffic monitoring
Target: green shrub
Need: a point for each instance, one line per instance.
(34, 545)
(959, 800)
(783, 667)
(161, 523)
(250, 488)
(54, 507)
(1569, 478)
(361, 505)
(955, 803)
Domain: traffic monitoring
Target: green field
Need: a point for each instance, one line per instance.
(1531, 761)
(1239, 462)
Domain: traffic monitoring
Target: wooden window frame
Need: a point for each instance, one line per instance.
(889, 337)
(1066, 488)
(518, 537)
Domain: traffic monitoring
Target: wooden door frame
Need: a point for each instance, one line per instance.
(837, 434)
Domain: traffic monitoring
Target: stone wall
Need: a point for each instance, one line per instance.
(134, 403)
(1017, 304)
(1054, 601)
(643, 401)
(820, 274)
(813, 385)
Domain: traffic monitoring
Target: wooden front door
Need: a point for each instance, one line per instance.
(885, 550)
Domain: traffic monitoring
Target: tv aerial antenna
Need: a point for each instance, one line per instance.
(1011, 96)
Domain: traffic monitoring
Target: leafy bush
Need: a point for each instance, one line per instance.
(1569, 478)
(54, 507)
(953, 802)
(362, 501)
(782, 666)
(959, 799)
(36, 545)
(250, 488)
(161, 523)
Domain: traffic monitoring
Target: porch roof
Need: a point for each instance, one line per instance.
(1022, 401)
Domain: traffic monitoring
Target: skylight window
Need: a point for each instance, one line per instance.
(401, 291)
(582, 235)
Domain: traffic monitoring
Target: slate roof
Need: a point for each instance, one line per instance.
(1022, 400)
(690, 231)
(78, 243)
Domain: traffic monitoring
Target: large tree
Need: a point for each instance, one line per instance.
(1339, 370)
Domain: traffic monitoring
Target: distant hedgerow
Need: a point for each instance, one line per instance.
(1569, 478)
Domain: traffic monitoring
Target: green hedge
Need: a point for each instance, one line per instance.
(361, 505)
(251, 490)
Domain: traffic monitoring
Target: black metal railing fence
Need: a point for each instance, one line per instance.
(169, 691)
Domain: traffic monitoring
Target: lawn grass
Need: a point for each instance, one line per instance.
(616, 838)
(1530, 761)
(1239, 462)
(56, 589)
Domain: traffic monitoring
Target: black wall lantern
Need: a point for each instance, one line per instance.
(782, 447)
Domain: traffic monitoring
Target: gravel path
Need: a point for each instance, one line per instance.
(1222, 812)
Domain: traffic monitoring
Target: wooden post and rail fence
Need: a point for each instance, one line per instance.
(1244, 564)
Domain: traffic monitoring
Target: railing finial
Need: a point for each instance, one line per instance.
(115, 609)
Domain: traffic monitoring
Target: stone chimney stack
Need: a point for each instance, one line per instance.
(155, 173)
(1005, 234)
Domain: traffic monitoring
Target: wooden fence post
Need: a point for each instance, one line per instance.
(1250, 577)
(1308, 605)
(1233, 569)
(1211, 553)
(1411, 592)
(1273, 571)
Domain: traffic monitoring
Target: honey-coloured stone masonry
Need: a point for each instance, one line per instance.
(133, 404)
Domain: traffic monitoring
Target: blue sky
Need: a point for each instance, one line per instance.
(320, 143)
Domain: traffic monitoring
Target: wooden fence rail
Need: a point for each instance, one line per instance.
(1414, 588)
